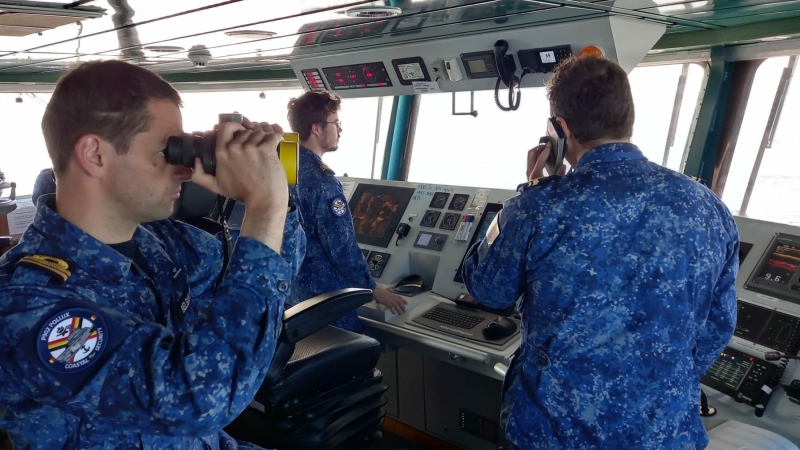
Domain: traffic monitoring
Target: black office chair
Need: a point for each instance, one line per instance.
(322, 390)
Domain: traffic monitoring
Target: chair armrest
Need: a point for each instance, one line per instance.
(310, 316)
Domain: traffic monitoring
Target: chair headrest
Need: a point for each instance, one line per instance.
(195, 202)
(45, 184)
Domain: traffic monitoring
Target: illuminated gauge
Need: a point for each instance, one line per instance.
(459, 202)
(369, 75)
(430, 218)
(450, 221)
(439, 200)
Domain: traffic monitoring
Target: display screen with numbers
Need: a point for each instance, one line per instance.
(782, 264)
(777, 273)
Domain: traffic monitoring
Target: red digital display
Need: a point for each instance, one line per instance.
(359, 76)
(313, 79)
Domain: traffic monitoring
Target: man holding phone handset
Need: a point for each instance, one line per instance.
(117, 329)
(627, 275)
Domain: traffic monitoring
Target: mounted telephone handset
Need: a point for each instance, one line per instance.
(505, 68)
(402, 231)
(558, 146)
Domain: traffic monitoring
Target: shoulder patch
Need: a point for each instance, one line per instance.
(339, 207)
(327, 170)
(71, 340)
(51, 264)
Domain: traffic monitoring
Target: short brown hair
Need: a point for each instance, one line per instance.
(311, 108)
(594, 96)
(108, 98)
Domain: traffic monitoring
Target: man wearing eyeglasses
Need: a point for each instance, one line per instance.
(333, 259)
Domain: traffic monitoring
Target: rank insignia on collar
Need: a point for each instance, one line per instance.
(54, 265)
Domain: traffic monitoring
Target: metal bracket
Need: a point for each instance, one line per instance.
(472, 111)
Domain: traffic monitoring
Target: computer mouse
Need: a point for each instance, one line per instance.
(410, 284)
(499, 328)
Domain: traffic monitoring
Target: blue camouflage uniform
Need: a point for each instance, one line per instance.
(333, 259)
(627, 275)
(99, 352)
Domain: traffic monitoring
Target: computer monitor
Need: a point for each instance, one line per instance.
(483, 226)
(377, 210)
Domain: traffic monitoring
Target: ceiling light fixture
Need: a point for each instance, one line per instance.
(373, 12)
(164, 48)
(250, 34)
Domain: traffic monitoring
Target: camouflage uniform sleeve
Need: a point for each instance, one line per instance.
(338, 238)
(203, 247)
(721, 321)
(495, 274)
(294, 242)
(145, 377)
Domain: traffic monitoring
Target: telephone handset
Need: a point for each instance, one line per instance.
(402, 231)
(558, 145)
(505, 63)
(506, 67)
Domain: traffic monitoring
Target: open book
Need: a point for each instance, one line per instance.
(734, 435)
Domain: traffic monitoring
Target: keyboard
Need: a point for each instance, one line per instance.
(454, 318)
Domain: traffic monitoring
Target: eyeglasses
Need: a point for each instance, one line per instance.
(338, 123)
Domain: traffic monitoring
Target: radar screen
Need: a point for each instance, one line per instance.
(377, 210)
(767, 327)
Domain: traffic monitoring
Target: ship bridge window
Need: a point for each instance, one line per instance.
(762, 181)
(490, 150)
(364, 123)
(23, 153)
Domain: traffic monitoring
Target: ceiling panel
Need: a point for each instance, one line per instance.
(706, 10)
(789, 8)
(749, 19)
(311, 25)
(708, 5)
